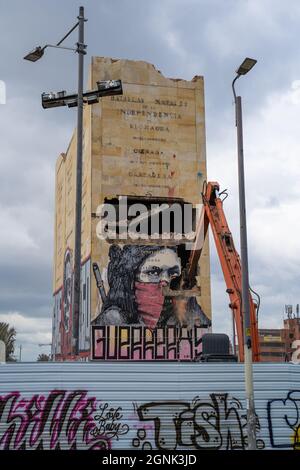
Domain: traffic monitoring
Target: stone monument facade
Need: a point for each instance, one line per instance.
(146, 146)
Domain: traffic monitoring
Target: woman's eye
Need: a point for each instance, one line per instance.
(154, 271)
(174, 272)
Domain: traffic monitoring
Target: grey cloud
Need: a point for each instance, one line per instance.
(26, 289)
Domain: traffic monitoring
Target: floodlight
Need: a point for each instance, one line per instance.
(109, 87)
(52, 100)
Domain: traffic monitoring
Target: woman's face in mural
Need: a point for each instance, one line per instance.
(162, 266)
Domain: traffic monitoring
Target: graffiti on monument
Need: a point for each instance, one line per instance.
(218, 423)
(67, 290)
(136, 312)
(66, 325)
(169, 343)
(284, 414)
(63, 313)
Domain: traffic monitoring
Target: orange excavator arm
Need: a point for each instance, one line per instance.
(213, 215)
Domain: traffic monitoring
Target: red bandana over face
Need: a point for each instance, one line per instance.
(150, 300)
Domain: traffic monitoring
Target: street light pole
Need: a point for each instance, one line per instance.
(51, 100)
(77, 250)
(251, 415)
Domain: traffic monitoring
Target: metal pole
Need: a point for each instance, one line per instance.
(251, 416)
(77, 255)
(233, 335)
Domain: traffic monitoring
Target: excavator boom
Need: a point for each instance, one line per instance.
(213, 215)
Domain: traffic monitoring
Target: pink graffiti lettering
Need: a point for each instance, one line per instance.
(60, 421)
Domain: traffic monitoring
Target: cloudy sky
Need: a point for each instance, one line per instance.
(182, 38)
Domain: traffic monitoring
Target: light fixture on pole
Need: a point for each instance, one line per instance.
(38, 52)
(35, 55)
(244, 68)
(51, 100)
(60, 98)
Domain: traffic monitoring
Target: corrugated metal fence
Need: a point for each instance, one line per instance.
(145, 406)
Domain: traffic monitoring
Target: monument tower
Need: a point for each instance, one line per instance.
(146, 146)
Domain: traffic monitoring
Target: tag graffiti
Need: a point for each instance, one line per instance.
(219, 423)
(109, 422)
(60, 421)
(284, 414)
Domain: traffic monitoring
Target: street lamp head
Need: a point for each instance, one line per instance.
(53, 100)
(246, 66)
(104, 88)
(35, 55)
(109, 87)
(91, 99)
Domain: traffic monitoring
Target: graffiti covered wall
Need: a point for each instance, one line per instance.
(145, 406)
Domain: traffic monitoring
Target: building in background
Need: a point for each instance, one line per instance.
(272, 345)
(276, 345)
(291, 333)
(147, 147)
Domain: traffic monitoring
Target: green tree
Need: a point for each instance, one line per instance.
(8, 335)
(43, 358)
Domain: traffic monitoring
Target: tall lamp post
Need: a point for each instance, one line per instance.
(50, 100)
(244, 68)
(77, 252)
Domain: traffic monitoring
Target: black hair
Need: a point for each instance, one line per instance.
(121, 273)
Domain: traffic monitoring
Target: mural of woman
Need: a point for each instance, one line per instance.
(136, 275)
